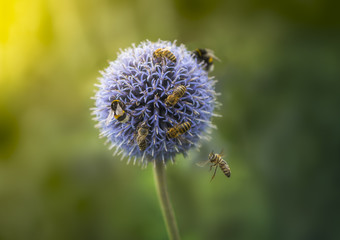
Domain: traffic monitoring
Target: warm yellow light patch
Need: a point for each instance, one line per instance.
(19, 23)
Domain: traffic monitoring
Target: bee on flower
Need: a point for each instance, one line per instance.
(158, 96)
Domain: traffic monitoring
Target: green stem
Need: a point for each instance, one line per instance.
(163, 196)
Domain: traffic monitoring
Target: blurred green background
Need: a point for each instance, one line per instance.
(279, 79)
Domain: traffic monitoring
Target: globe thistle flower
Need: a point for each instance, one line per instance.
(138, 85)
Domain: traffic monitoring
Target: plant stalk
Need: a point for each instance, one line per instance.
(163, 196)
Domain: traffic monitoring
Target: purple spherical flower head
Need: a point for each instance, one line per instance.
(142, 84)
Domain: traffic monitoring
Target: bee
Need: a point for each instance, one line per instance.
(180, 129)
(217, 160)
(173, 98)
(142, 133)
(164, 53)
(206, 56)
(117, 111)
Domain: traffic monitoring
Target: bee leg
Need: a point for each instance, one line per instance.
(212, 165)
(214, 173)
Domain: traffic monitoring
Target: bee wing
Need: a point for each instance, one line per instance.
(202, 163)
(119, 110)
(212, 54)
(222, 152)
(109, 118)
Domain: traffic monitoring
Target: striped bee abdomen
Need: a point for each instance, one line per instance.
(225, 167)
(184, 127)
(173, 98)
(163, 52)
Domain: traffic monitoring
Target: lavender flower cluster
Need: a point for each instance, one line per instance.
(137, 85)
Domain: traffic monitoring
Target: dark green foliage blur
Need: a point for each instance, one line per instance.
(279, 78)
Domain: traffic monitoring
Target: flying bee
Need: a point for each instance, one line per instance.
(142, 133)
(117, 111)
(206, 56)
(180, 129)
(164, 53)
(173, 98)
(216, 160)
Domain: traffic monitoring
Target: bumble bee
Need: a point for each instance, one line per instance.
(216, 160)
(180, 129)
(206, 56)
(164, 53)
(173, 98)
(142, 133)
(117, 111)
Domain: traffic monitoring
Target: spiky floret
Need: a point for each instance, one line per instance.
(143, 83)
